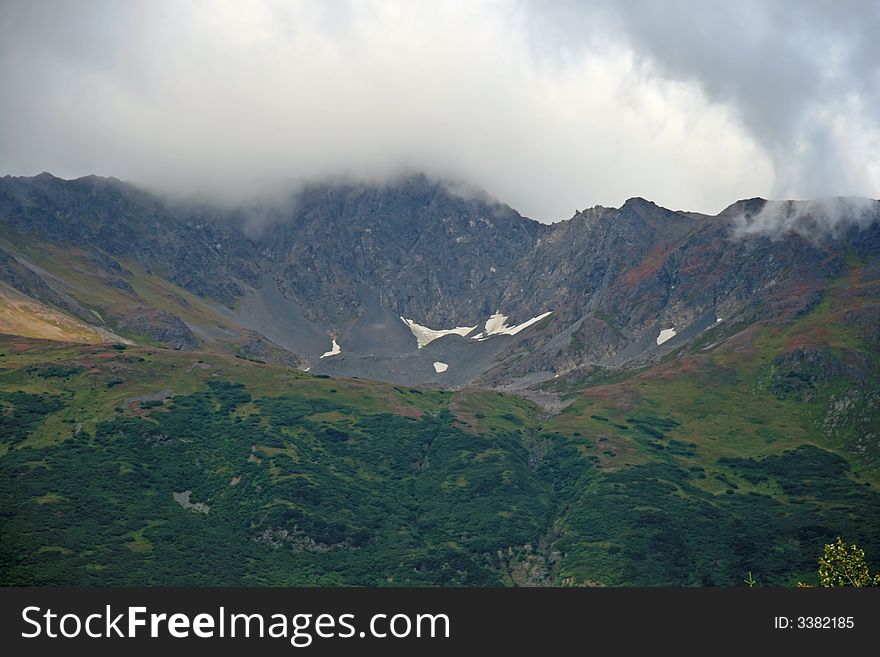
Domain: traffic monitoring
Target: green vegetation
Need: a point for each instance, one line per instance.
(653, 524)
(20, 412)
(148, 466)
(54, 371)
(299, 490)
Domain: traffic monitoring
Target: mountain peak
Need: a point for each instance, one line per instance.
(637, 202)
(744, 206)
(96, 180)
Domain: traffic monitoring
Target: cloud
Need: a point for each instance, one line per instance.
(803, 81)
(549, 107)
(814, 219)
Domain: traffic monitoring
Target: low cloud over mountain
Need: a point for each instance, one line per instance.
(548, 107)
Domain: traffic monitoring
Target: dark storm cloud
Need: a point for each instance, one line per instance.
(548, 106)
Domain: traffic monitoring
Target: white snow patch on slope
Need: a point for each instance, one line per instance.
(665, 335)
(425, 335)
(497, 325)
(440, 367)
(335, 349)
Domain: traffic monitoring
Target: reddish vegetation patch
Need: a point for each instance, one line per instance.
(612, 451)
(18, 345)
(466, 416)
(791, 298)
(134, 408)
(857, 293)
(106, 355)
(698, 260)
(690, 365)
(799, 289)
(404, 410)
(615, 396)
(793, 293)
(814, 336)
(648, 266)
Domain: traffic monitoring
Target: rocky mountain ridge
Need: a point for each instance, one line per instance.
(364, 266)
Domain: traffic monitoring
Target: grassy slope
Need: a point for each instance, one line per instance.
(704, 434)
(308, 479)
(70, 271)
(691, 472)
(22, 315)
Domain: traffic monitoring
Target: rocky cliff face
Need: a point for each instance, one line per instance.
(421, 250)
(618, 278)
(344, 262)
(192, 247)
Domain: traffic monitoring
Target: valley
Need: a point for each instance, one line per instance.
(344, 393)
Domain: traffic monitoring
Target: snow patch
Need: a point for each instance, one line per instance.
(425, 335)
(334, 350)
(497, 325)
(440, 367)
(665, 335)
(718, 320)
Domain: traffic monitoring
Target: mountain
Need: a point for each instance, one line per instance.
(411, 384)
(367, 266)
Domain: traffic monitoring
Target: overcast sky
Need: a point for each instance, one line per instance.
(550, 107)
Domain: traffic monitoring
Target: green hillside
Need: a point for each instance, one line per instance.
(125, 465)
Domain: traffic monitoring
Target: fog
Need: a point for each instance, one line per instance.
(815, 219)
(549, 107)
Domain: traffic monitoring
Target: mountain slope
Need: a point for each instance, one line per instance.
(711, 400)
(286, 478)
(345, 262)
